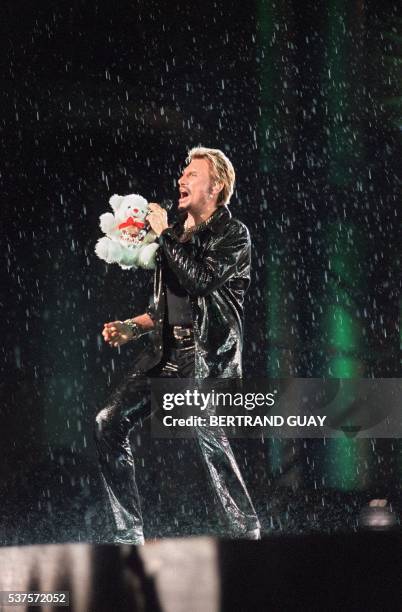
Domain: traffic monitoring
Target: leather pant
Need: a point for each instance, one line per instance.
(130, 403)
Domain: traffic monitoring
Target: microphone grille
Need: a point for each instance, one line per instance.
(167, 204)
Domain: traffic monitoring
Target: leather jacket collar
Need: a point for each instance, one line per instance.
(221, 217)
(220, 220)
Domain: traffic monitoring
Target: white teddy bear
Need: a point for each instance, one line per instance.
(127, 242)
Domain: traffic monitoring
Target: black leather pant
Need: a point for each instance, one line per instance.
(129, 403)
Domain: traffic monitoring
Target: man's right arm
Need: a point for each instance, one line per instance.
(219, 263)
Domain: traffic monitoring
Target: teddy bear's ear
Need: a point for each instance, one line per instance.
(115, 201)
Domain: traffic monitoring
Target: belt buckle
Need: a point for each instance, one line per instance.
(180, 332)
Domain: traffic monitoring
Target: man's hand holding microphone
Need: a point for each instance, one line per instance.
(157, 218)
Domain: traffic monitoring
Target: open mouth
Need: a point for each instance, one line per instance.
(184, 194)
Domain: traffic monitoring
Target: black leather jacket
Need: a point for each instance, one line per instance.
(214, 268)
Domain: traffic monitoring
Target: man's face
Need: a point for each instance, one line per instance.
(195, 185)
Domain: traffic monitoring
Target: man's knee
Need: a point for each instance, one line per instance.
(105, 425)
(124, 408)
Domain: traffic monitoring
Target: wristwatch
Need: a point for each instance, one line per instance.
(135, 328)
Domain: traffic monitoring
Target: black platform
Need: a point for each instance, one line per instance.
(340, 572)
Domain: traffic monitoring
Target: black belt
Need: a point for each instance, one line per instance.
(181, 331)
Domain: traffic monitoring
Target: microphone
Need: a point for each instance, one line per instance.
(167, 205)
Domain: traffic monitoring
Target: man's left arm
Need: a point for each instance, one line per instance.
(219, 263)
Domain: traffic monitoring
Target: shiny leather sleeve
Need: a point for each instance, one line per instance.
(151, 308)
(222, 259)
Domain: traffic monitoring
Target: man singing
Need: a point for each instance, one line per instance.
(196, 321)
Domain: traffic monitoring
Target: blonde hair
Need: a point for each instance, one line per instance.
(221, 168)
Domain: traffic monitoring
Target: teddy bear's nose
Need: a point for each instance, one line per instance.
(135, 209)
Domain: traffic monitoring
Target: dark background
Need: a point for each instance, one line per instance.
(100, 99)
